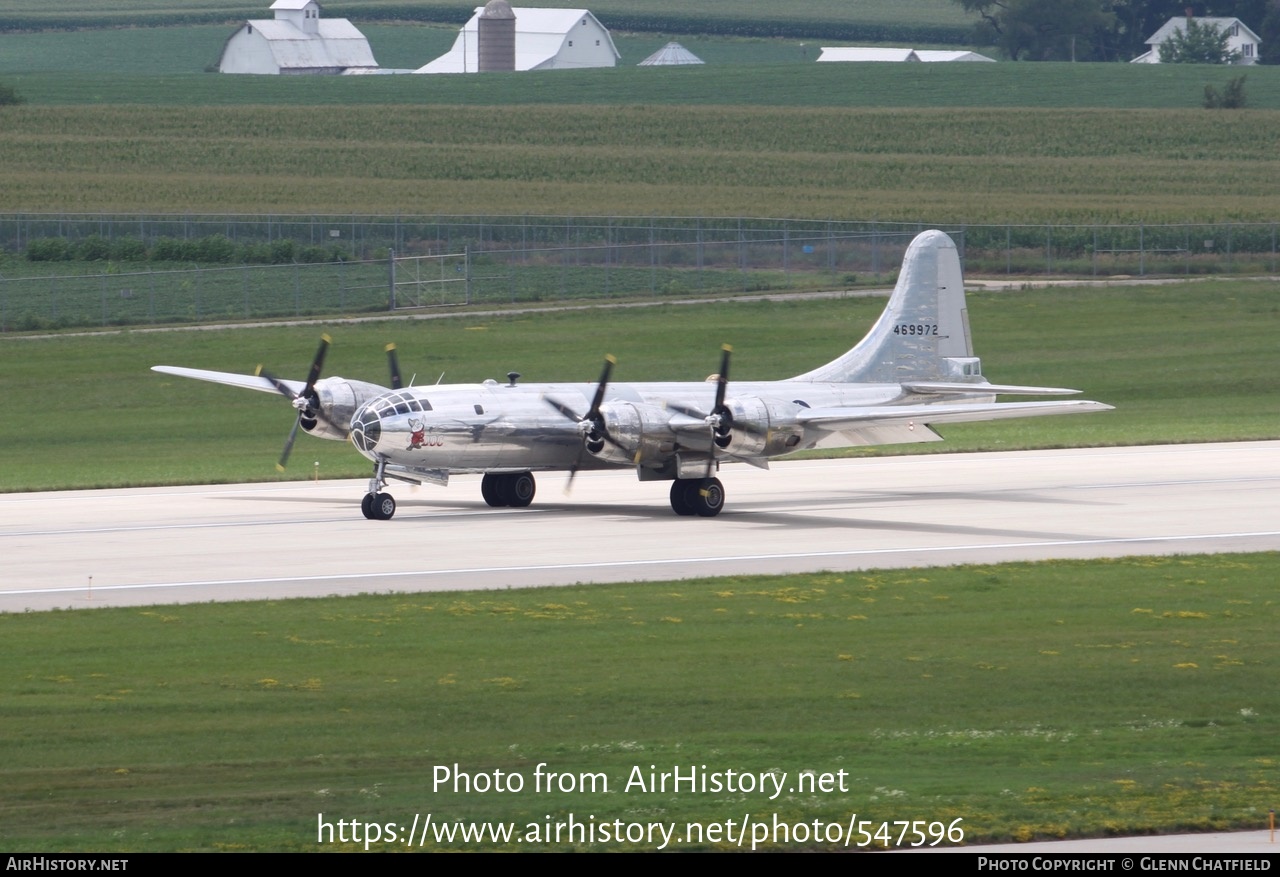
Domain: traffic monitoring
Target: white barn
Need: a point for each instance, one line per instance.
(297, 40)
(546, 39)
(1239, 38)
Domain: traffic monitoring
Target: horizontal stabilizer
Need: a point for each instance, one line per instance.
(249, 382)
(937, 387)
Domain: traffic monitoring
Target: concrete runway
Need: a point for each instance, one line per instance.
(83, 549)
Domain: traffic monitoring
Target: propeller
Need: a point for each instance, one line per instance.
(590, 425)
(720, 420)
(393, 361)
(307, 402)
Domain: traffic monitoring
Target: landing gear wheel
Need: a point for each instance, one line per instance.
(383, 506)
(493, 489)
(679, 497)
(707, 497)
(366, 506)
(520, 489)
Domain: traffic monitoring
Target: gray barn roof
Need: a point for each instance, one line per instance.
(671, 54)
(338, 43)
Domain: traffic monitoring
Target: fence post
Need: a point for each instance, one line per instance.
(1142, 250)
(391, 280)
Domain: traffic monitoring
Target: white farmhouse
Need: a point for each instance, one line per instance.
(545, 39)
(1239, 39)
(297, 40)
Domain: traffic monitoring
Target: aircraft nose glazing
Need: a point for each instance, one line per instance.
(366, 429)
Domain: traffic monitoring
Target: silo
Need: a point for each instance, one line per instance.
(497, 37)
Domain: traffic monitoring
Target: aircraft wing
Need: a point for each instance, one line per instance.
(900, 424)
(251, 382)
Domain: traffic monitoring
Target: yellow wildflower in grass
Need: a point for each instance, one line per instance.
(844, 657)
(1189, 665)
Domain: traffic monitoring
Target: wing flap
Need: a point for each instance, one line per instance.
(902, 424)
(942, 387)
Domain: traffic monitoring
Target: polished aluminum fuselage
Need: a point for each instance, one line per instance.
(495, 427)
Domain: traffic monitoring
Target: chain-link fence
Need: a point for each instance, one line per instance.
(76, 270)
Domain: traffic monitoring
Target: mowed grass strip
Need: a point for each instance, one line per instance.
(1181, 362)
(933, 165)
(1055, 699)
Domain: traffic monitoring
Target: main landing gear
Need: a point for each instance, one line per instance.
(514, 489)
(697, 496)
(376, 505)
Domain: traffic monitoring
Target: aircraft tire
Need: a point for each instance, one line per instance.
(494, 490)
(384, 506)
(520, 489)
(366, 506)
(707, 497)
(680, 489)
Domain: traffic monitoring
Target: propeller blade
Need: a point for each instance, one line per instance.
(396, 381)
(308, 405)
(593, 413)
(564, 409)
(288, 445)
(317, 363)
(592, 418)
(721, 419)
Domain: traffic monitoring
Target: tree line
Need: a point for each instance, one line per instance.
(1107, 30)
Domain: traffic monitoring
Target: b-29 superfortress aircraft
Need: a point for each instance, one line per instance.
(914, 370)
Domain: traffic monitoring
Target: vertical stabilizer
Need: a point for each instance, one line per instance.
(923, 333)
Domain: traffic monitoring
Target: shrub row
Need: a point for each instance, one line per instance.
(211, 249)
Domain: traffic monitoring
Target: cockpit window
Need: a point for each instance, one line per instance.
(401, 403)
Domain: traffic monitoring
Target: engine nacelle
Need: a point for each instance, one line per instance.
(338, 400)
(641, 430)
(761, 428)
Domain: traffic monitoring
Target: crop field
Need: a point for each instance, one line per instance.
(991, 165)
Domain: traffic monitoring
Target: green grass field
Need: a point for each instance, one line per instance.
(1025, 700)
